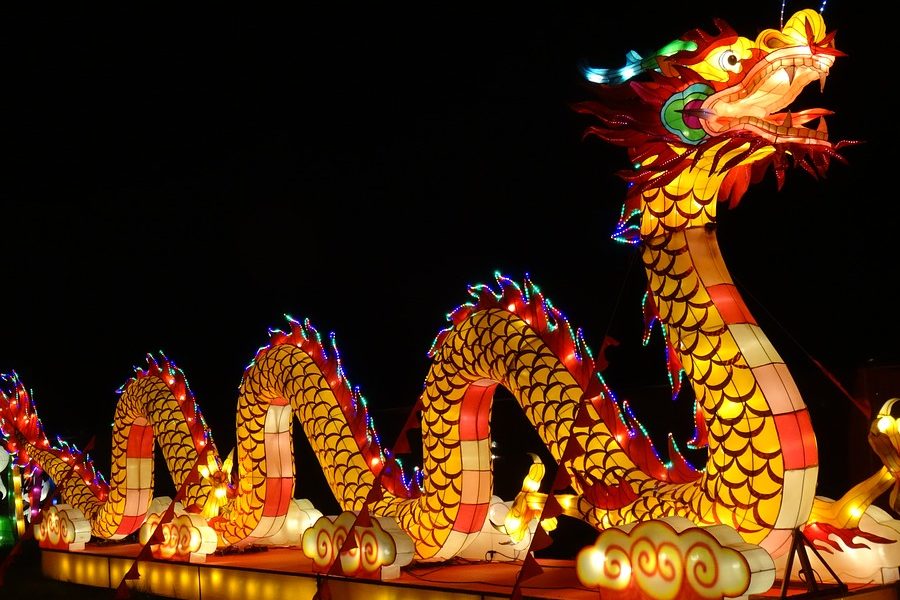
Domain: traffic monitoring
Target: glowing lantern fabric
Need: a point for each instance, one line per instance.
(761, 473)
(708, 119)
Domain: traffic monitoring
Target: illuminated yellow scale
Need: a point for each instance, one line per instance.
(286, 375)
(145, 402)
(490, 347)
(742, 483)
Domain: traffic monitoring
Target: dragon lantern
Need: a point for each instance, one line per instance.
(701, 119)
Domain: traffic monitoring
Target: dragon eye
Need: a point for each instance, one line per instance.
(729, 61)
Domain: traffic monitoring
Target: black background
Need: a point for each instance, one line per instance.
(179, 180)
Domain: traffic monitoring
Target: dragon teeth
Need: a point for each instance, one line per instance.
(790, 69)
(822, 77)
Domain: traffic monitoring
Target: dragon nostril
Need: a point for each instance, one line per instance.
(690, 118)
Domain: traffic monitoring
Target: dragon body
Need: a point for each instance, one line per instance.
(701, 119)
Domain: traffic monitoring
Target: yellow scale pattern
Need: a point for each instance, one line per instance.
(740, 487)
(494, 345)
(287, 372)
(147, 400)
(499, 346)
(743, 480)
(744, 472)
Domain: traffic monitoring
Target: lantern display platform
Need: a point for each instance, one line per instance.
(287, 573)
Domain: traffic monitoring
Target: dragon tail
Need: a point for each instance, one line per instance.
(22, 435)
(20, 427)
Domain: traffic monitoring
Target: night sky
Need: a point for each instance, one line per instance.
(178, 181)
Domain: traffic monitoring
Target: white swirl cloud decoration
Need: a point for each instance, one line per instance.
(673, 559)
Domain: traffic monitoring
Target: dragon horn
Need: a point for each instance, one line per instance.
(635, 64)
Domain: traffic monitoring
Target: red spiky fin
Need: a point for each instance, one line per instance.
(460, 313)
(596, 387)
(439, 341)
(606, 496)
(511, 296)
(628, 229)
(612, 417)
(680, 470)
(528, 303)
(701, 434)
(735, 184)
(640, 450)
(673, 366)
(537, 307)
(651, 316)
(583, 369)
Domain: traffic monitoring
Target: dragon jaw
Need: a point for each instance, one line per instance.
(754, 103)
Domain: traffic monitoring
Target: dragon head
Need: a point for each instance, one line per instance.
(709, 113)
